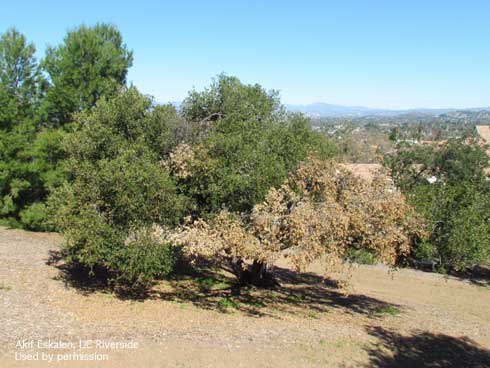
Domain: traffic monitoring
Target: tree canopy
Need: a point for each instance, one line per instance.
(90, 63)
(246, 144)
(20, 79)
(36, 113)
(22, 184)
(448, 186)
(318, 213)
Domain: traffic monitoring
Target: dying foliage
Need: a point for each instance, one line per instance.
(318, 213)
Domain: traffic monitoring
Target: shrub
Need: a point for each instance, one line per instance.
(118, 190)
(145, 259)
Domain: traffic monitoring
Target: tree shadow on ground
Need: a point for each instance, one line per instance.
(85, 282)
(306, 294)
(75, 277)
(478, 275)
(100, 280)
(425, 349)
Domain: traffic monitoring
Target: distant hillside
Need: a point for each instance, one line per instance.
(474, 115)
(330, 110)
(324, 109)
(468, 116)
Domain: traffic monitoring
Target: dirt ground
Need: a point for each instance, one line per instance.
(405, 318)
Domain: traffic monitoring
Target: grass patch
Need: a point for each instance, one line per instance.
(227, 303)
(293, 298)
(340, 344)
(207, 284)
(5, 287)
(312, 315)
(258, 304)
(390, 310)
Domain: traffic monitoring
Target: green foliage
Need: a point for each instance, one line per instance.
(35, 114)
(361, 256)
(90, 240)
(248, 144)
(425, 251)
(29, 169)
(228, 97)
(20, 79)
(90, 63)
(456, 206)
(21, 176)
(33, 216)
(456, 162)
(144, 260)
(394, 133)
(227, 303)
(119, 188)
(390, 309)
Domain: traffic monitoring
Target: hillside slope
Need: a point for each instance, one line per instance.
(399, 319)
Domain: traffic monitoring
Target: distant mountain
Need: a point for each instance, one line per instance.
(323, 109)
(320, 109)
(329, 110)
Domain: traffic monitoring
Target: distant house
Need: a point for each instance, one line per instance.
(435, 143)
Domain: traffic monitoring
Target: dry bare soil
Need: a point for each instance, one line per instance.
(403, 319)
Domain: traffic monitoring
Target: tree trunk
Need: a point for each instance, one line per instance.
(258, 274)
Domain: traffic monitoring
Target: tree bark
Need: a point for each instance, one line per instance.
(258, 274)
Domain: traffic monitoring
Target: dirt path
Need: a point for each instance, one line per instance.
(403, 319)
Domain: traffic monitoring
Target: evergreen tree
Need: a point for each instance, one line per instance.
(90, 63)
(20, 79)
(20, 94)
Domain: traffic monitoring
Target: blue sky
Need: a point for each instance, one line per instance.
(391, 54)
